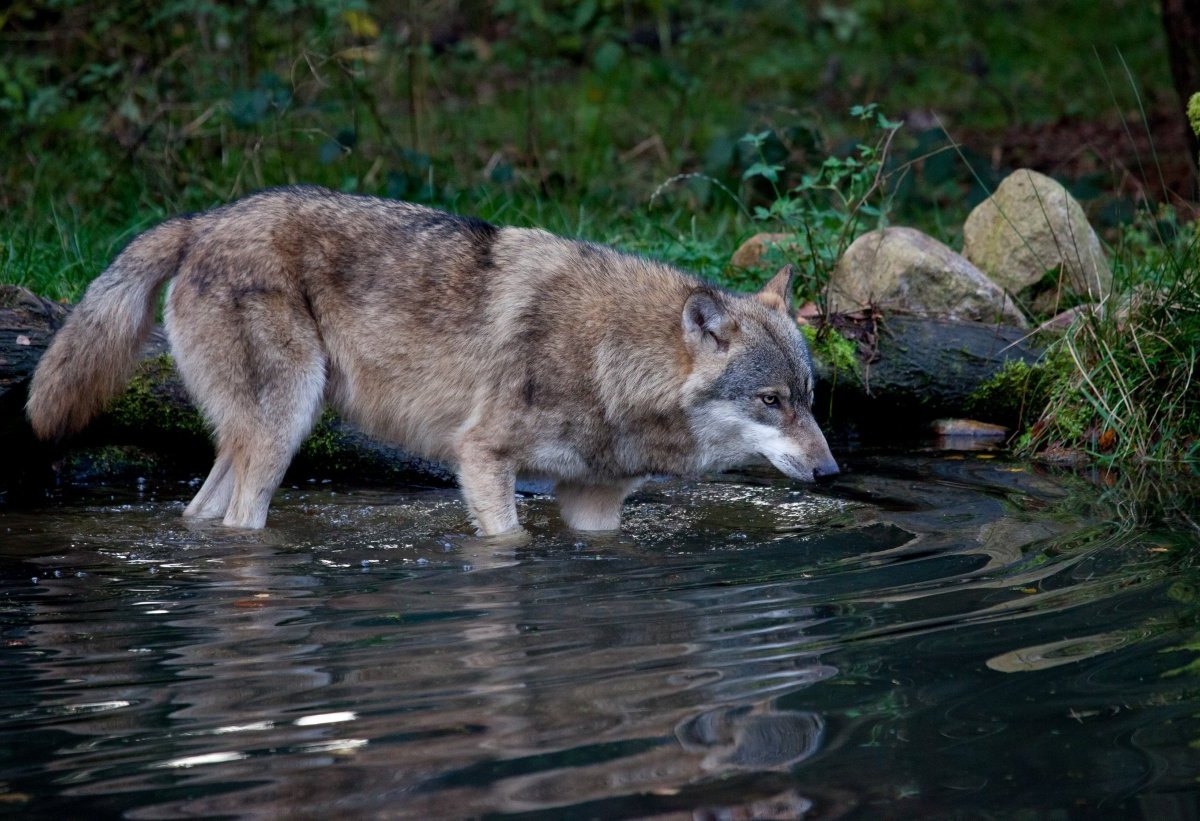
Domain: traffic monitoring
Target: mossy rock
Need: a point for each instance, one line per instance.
(335, 448)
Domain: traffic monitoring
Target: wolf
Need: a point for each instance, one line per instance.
(501, 351)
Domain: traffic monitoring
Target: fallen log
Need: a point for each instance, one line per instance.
(913, 371)
(917, 369)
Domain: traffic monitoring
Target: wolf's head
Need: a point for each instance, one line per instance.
(750, 389)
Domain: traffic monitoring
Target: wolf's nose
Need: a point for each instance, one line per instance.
(825, 470)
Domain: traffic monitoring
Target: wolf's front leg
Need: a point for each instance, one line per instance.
(488, 484)
(593, 507)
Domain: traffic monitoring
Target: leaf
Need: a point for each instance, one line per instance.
(537, 15)
(760, 169)
(756, 140)
(130, 110)
(584, 13)
(397, 184)
(419, 162)
(502, 173)
(607, 57)
(249, 106)
(330, 151)
(361, 24)
(367, 54)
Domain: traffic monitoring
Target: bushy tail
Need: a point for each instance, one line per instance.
(93, 356)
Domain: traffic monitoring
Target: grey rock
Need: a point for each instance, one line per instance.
(1030, 226)
(902, 269)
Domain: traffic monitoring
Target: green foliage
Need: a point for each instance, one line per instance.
(693, 251)
(1017, 395)
(565, 114)
(1193, 112)
(830, 205)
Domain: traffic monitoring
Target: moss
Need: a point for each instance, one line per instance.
(327, 444)
(1193, 112)
(1019, 393)
(832, 350)
(145, 405)
(110, 462)
(332, 447)
(1015, 394)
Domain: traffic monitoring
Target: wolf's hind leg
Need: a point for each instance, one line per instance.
(488, 485)
(252, 358)
(265, 439)
(593, 507)
(213, 499)
(257, 471)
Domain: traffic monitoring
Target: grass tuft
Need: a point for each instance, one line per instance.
(1131, 393)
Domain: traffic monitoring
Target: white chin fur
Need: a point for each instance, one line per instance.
(791, 466)
(731, 439)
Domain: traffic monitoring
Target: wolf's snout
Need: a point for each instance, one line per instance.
(797, 467)
(826, 470)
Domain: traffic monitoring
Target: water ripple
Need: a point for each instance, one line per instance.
(928, 635)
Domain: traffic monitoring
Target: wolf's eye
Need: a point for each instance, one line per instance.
(769, 399)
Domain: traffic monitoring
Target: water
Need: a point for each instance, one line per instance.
(928, 637)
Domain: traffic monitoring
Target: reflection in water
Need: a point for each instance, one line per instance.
(926, 636)
(739, 738)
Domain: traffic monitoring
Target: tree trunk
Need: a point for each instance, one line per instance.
(1181, 21)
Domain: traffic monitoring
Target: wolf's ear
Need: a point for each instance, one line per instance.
(707, 325)
(777, 293)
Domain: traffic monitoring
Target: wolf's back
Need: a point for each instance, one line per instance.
(93, 356)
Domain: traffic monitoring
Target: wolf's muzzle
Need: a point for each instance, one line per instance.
(826, 470)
